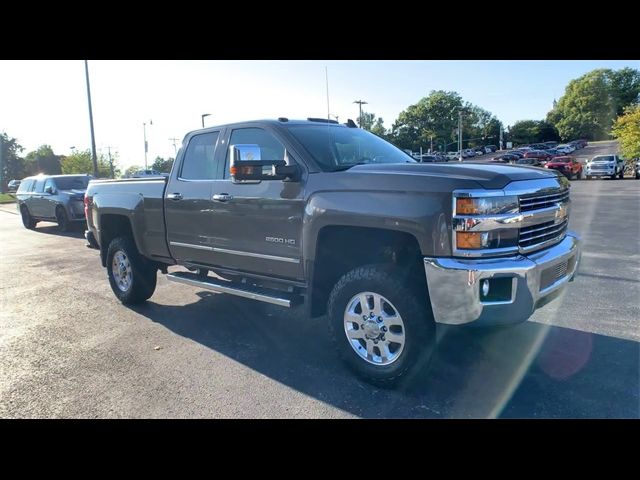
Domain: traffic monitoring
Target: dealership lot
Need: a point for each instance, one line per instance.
(69, 349)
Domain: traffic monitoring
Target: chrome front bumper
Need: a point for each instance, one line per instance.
(455, 284)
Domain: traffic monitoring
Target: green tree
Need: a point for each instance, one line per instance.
(436, 117)
(43, 160)
(13, 166)
(367, 121)
(592, 102)
(131, 170)
(625, 88)
(81, 162)
(627, 131)
(162, 165)
(378, 128)
(532, 131)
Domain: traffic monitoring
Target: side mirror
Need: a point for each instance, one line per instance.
(49, 189)
(247, 165)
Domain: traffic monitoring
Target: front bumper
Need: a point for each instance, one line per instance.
(455, 284)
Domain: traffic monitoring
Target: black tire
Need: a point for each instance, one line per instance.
(411, 302)
(588, 177)
(62, 219)
(621, 176)
(143, 273)
(27, 219)
(637, 176)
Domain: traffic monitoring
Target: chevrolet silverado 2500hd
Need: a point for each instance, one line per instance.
(332, 216)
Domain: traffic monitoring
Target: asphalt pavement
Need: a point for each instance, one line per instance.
(68, 348)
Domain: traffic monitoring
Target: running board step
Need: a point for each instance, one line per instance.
(260, 294)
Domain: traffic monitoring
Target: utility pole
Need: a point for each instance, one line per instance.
(93, 138)
(431, 138)
(460, 135)
(174, 140)
(360, 102)
(500, 137)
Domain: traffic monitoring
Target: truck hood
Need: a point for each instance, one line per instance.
(493, 176)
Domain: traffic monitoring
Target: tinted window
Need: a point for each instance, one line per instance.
(72, 183)
(270, 147)
(39, 185)
(48, 183)
(199, 162)
(25, 186)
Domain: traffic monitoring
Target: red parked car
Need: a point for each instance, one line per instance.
(568, 166)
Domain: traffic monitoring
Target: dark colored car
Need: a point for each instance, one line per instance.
(533, 162)
(568, 166)
(13, 185)
(505, 158)
(492, 147)
(551, 144)
(539, 154)
(517, 153)
(52, 198)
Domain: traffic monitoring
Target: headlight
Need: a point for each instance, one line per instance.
(503, 238)
(486, 205)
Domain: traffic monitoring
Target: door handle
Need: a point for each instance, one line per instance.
(174, 196)
(222, 197)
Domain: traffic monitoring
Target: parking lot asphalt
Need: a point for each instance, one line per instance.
(68, 348)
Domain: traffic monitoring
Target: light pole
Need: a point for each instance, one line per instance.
(360, 103)
(146, 144)
(93, 138)
(204, 115)
(174, 140)
(460, 135)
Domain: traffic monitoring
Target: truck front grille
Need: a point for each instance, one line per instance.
(600, 167)
(544, 232)
(536, 202)
(547, 233)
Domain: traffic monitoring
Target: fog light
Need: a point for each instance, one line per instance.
(485, 288)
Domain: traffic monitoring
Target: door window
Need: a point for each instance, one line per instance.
(199, 160)
(39, 185)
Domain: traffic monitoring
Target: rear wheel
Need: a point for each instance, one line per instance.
(27, 219)
(381, 324)
(62, 219)
(621, 176)
(132, 277)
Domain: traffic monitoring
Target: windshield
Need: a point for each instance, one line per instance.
(72, 183)
(606, 158)
(337, 148)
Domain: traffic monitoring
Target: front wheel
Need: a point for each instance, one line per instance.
(132, 277)
(621, 176)
(381, 324)
(27, 219)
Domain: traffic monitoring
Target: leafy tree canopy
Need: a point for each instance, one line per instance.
(627, 131)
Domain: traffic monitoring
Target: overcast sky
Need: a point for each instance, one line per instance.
(45, 102)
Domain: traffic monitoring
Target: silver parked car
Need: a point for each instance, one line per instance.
(53, 198)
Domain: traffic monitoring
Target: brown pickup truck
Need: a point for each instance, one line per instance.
(331, 216)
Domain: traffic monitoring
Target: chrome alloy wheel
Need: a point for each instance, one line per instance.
(374, 328)
(121, 268)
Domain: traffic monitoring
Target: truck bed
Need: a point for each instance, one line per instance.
(140, 201)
